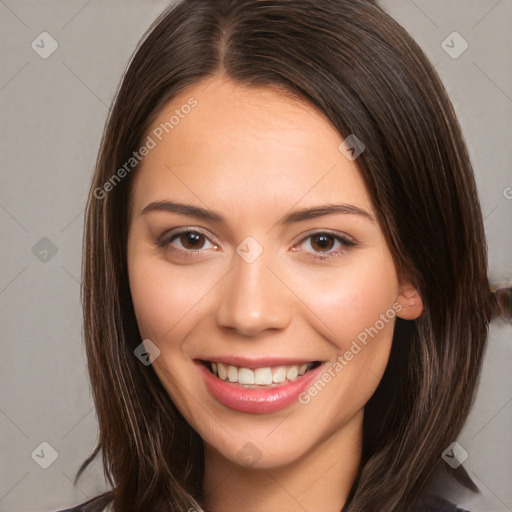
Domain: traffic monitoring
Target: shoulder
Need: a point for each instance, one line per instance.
(437, 504)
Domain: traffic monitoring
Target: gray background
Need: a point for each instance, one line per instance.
(53, 112)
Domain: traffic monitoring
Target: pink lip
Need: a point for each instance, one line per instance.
(244, 362)
(253, 400)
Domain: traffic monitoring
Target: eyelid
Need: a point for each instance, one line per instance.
(346, 242)
(165, 238)
(335, 234)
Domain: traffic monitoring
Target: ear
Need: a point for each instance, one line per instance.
(410, 300)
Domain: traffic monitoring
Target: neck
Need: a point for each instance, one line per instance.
(320, 479)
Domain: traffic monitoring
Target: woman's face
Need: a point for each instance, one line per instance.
(241, 280)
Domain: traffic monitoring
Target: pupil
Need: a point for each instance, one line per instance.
(325, 241)
(192, 239)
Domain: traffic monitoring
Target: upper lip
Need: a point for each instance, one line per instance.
(256, 362)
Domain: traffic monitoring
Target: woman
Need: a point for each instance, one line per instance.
(285, 288)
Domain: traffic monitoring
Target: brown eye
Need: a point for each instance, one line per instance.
(185, 243)
(192, 240)
(324, 245)
(322, 242)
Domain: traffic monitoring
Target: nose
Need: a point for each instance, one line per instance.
(253, 299)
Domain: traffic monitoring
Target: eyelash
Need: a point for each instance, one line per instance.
(165, 240)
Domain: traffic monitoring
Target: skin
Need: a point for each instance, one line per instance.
(253, 155)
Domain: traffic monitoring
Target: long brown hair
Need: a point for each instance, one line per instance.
(365, 73)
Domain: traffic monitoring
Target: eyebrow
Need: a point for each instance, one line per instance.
(295, 216)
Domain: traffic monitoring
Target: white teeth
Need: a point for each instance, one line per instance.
(292, 373)
(259, 376)
(245, 376)
(263, 376)
(232, 373)
(222, 372)
(279, 374)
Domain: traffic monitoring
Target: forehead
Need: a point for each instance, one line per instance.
(253, 147)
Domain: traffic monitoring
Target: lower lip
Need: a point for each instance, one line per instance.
(255, 400)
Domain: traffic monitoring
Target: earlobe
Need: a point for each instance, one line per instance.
(410, 302)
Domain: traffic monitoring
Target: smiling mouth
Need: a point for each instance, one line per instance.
(269, 376)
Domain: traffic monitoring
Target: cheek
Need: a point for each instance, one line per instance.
(359, 309)
(166, 303)
(348, 301)
(163, 298)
